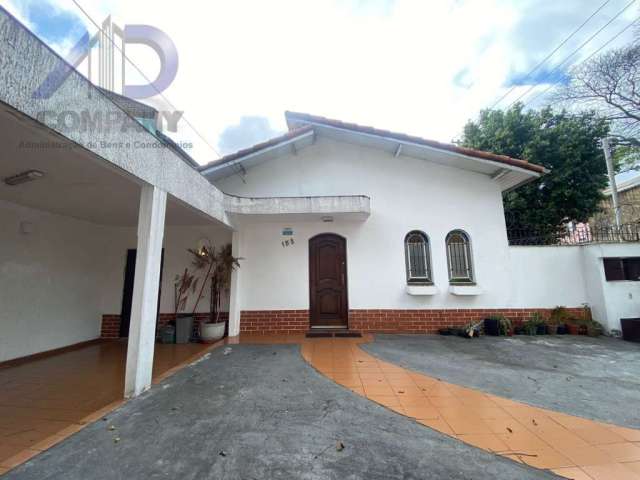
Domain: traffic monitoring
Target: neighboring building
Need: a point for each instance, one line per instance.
(338, 225)
(628, 200)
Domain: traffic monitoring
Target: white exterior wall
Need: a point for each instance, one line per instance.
(58, 281)
(610, 301)
(50, 281)
(177, 239)
(547, 276)
(406, 194)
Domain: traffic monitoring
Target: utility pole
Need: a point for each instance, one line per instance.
(612, 180)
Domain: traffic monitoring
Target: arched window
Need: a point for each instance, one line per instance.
(418, 257)
(459, 257)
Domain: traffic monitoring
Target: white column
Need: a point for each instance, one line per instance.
(235, 301)
(144, 307)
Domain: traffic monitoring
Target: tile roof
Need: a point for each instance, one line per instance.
(290, 135)
(470, 152)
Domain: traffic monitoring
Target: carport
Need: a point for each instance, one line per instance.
(69, 218)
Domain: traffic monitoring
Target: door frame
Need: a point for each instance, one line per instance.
(127, 290)
(345, 286)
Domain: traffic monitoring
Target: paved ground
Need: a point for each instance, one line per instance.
(593, 378)
(261, 412)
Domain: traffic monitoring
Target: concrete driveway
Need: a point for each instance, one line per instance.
(261, 412)
(596, 378)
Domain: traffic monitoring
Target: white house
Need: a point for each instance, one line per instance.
(338, 226)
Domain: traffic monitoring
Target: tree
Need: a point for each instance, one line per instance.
(610, 84)
(567, 145)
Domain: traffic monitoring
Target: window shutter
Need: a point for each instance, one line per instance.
(613, 269)
(631, 268)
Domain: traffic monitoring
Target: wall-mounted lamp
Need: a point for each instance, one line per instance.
(23, 177)
(204, 247)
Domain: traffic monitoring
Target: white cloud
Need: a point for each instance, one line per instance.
(390, 64)
(250, 130)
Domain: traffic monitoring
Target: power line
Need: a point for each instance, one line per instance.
(557, 67)
(528, 102)
(144, 76)
(552, 53)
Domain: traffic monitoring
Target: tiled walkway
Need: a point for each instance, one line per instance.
(570, 446)
(45, 400)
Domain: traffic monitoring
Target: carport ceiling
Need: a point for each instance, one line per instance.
(77, 183)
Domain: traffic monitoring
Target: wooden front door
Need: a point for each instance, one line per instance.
(328, 281)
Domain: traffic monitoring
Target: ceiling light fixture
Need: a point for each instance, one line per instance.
(23, 177)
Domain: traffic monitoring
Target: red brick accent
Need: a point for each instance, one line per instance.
(274, 321)
(384, 321)
(111, 323)
(110, 326)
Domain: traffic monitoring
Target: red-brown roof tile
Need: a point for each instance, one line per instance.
(470, 152)
(291, 134)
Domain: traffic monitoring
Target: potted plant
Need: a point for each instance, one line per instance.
(531, 325)
(577, 326)
(505, 326)
(573, 327)
(492, 325)
(594, 329)
(552, 325)
(218, 265)
(470, 330)
(557, 319)
(183, 285)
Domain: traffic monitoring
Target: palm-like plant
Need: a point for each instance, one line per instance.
(183, 285)
(217, 265)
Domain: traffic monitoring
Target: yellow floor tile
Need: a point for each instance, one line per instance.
(421, 412)
(587, 456)
(598, 435)
(622, 452)
(486, 441)
(467, 425)
(374, 389)
(546, 458)
(633, 466)
(523, 441)
(628, 434)
(438, 424)
(386, 400)
(612, 471)
(573, 473)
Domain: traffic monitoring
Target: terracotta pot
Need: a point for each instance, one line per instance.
(573, 329)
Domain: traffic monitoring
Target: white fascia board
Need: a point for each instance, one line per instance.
(291, 141)
(428, 148)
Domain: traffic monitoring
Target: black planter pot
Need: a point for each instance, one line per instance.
(562, 330)
(541, 330)
(492, 327)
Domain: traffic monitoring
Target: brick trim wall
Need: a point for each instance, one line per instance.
(384, 321)
(111, 323)
(274, 321)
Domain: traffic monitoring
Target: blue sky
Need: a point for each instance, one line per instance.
(52, 24)
(415, 66)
